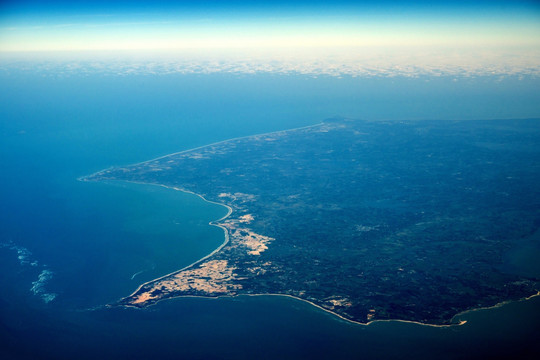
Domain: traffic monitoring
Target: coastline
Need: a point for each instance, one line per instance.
(227, 239)
(460, 323)
(85, 177)
(211, 223)
(498, 305)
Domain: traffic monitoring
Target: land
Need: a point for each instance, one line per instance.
(369, 220)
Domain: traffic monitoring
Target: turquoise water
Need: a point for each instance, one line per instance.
(70, 247)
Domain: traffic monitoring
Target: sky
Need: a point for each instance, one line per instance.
(461, 33)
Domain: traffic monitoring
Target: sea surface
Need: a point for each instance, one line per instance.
(68, 248)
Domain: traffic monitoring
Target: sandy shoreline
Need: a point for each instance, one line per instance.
(211, 223)
(462, 322)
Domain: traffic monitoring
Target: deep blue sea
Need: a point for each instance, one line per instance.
(67, 247)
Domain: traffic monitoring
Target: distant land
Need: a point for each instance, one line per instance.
(370, 220)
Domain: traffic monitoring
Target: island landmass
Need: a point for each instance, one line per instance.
(369, 220)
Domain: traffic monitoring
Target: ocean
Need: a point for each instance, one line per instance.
(68, 248)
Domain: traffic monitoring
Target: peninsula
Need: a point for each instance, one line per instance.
(369, 220)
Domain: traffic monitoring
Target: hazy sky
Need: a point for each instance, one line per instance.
(497, 32)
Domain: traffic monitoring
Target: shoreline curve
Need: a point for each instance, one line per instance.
(226, 241)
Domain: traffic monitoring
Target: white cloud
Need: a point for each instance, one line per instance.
(366, 61)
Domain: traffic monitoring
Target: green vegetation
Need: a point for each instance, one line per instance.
(370, 220)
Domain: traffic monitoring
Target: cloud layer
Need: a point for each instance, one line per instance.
(333, 62)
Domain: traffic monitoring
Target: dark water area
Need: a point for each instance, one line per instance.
(267, 328)
(68, 247)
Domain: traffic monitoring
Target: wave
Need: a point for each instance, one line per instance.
(38, 286)
(25, 259)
